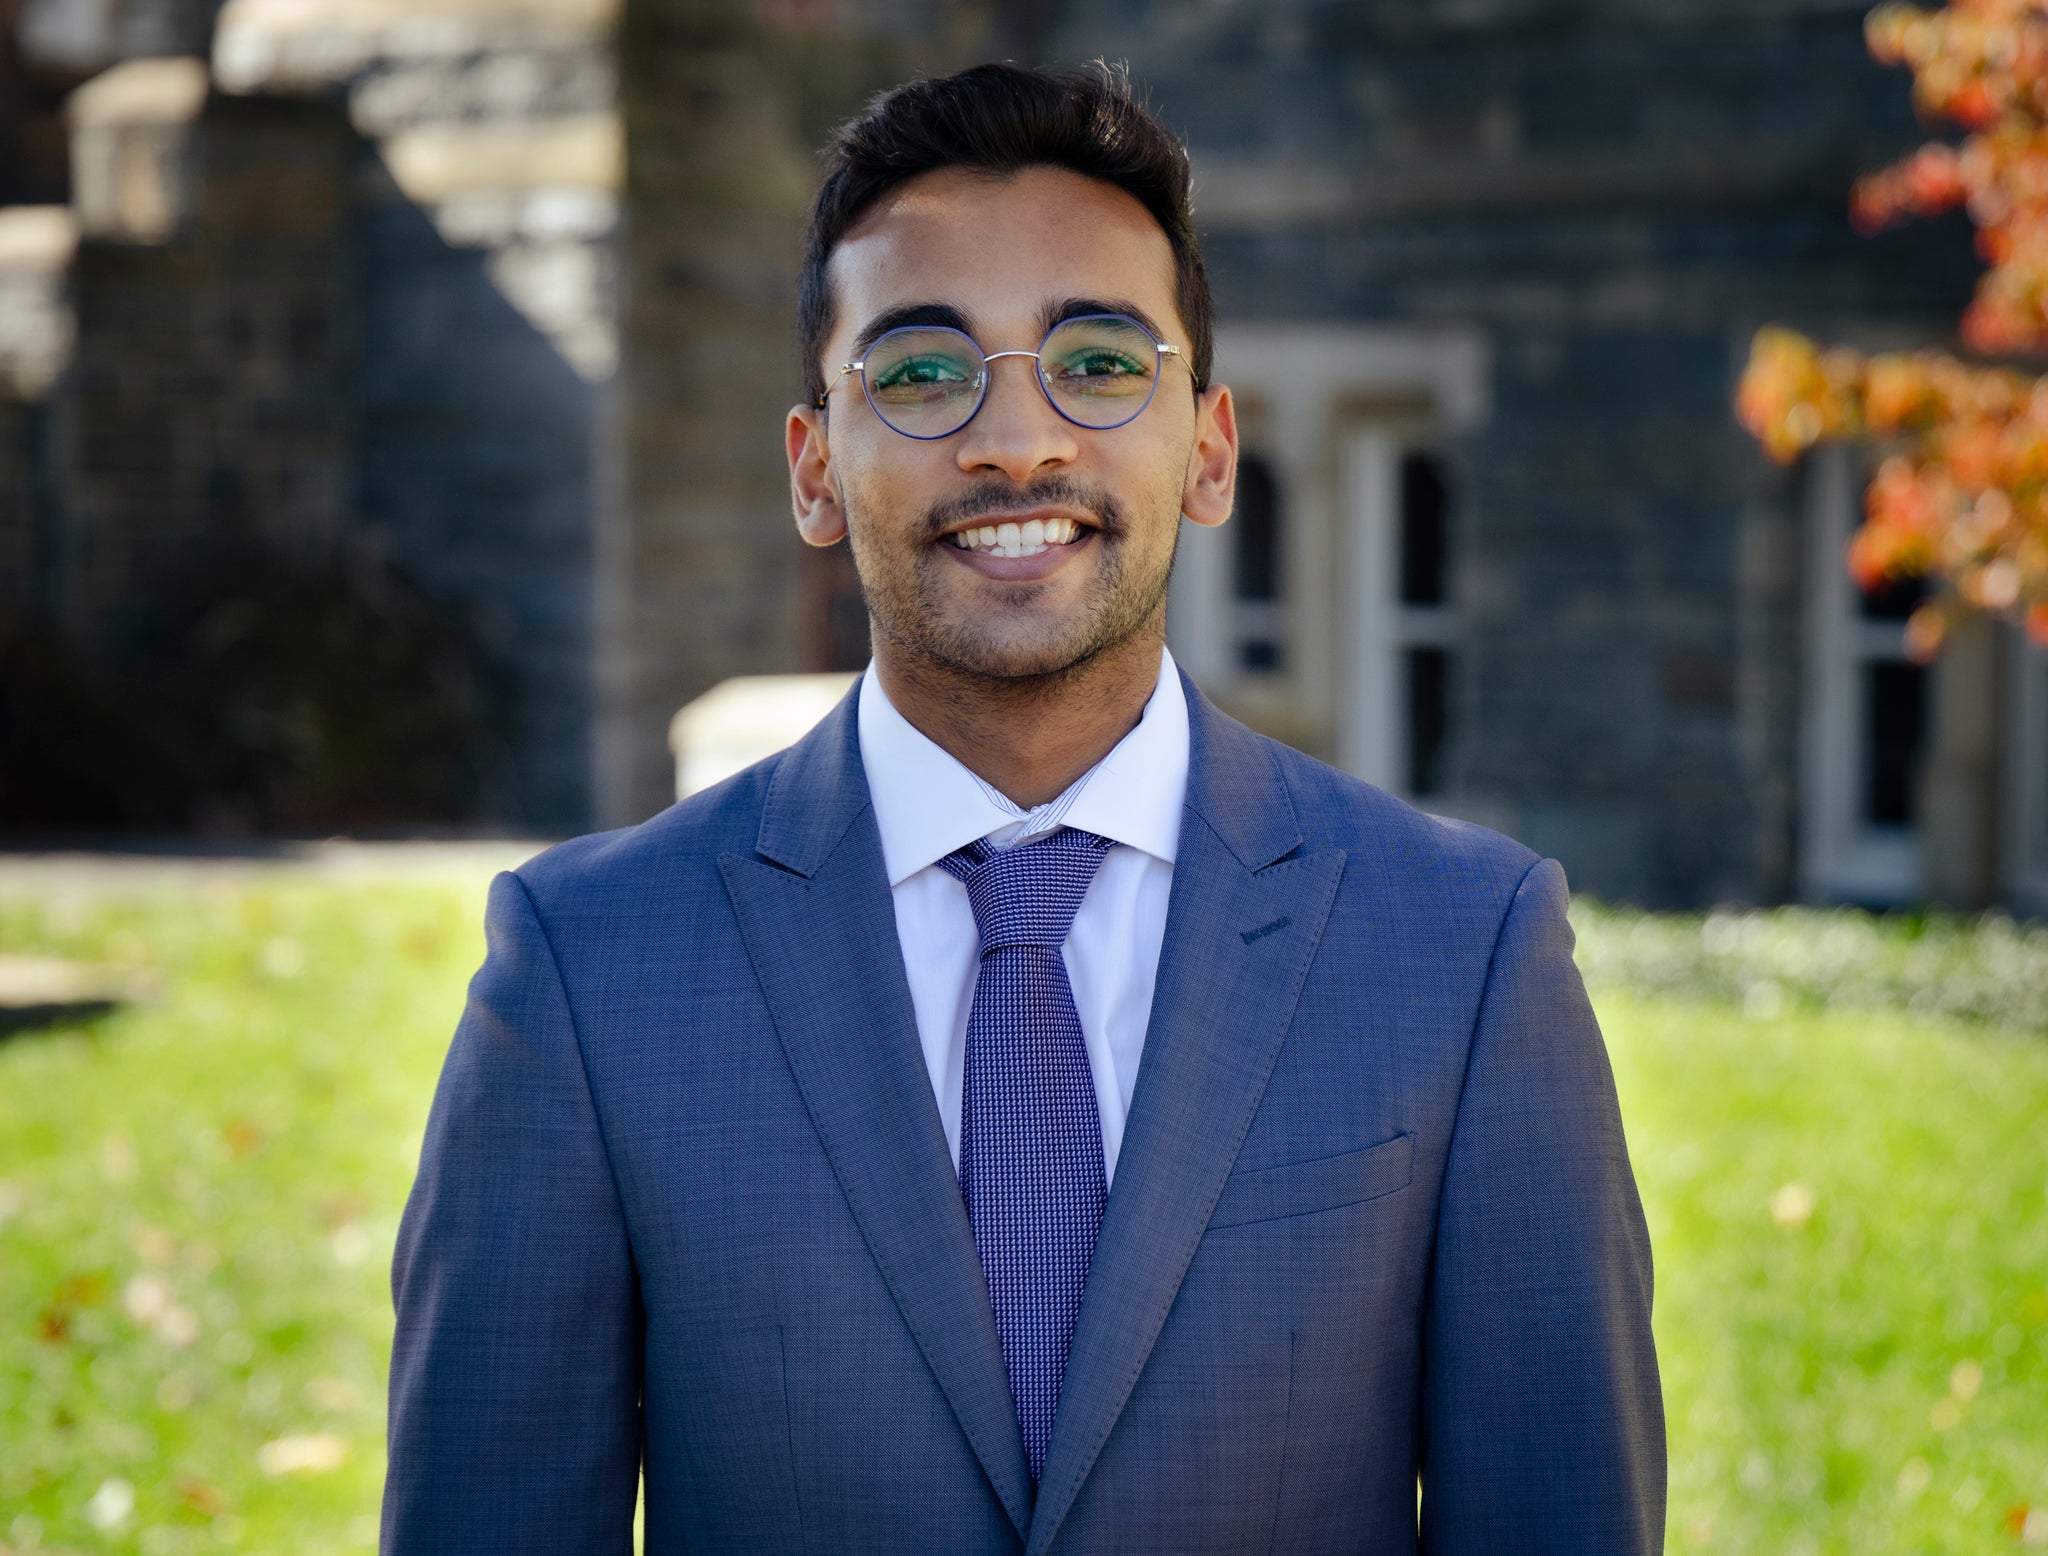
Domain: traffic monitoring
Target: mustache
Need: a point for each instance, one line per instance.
(1004, 497)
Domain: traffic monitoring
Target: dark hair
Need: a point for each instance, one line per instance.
(1001, 119)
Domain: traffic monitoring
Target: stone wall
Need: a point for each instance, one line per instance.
(207, 404)
(346, 293)
(487, 223)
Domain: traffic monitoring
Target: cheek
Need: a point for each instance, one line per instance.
(886, 487)
(869, 499)
(1156, 488)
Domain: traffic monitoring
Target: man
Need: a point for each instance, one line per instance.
(1033, 1112)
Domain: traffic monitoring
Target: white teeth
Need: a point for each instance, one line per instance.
(1017, 540)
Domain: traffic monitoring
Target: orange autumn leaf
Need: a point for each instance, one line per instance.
(1963, 495)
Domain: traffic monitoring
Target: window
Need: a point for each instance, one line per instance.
(1257, 571)
(1402, 614)
(1265, 614)
(1868, 710)
(1425, 600)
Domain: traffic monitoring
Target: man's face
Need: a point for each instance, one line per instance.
(1004, 259)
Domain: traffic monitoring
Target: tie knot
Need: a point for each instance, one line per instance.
(1027, 895)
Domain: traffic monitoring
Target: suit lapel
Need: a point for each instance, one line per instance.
(819, 924)
(1243, 921)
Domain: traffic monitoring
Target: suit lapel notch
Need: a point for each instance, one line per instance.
(1235, 785)
(816, 793)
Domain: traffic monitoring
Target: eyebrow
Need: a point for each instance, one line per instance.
(946, 316)
(941, 315)
(1080, 307)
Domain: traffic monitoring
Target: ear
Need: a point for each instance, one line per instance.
(1212, 466)
(813, 483)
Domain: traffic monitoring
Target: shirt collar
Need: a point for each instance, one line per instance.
(927, 803)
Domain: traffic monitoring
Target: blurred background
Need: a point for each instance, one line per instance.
(393, 395)
(390, 447)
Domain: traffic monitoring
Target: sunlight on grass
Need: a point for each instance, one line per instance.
(198, 1197)
(199, 1205)
(1850, 1218)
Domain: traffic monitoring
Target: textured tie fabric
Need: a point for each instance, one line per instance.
(1030, 1135)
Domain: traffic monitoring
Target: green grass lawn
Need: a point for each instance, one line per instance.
(200, 1202)
(1850, 1218)
(198, 1197)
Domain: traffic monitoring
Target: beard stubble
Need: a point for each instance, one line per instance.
(904, 587)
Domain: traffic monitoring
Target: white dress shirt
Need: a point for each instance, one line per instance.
(927, 805)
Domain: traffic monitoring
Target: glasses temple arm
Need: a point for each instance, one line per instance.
(844, 369)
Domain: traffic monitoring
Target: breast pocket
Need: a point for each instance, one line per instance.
(1327, 1183)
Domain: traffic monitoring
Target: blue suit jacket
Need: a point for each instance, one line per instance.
(685, 1196)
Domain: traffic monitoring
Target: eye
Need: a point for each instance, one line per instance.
(922, 372)
(1101, 362)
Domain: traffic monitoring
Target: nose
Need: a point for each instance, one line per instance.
(1016, 432)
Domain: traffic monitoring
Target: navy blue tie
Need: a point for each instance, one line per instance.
(1030, 1135)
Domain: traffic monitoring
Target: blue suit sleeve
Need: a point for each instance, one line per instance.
(1543, 1423)
(515, 1369)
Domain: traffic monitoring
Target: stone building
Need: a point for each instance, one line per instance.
(1486, 275)
(332, 283)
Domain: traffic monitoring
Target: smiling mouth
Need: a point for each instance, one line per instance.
(1033, 537)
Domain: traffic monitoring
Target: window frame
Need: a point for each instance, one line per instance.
(1374, 737)
(1305, 392)
(1843, 857)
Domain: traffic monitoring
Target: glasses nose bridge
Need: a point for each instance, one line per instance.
(988, 378)
(1037, 377)
(1022, 440)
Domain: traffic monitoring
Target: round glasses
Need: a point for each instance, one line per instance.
(928, 381)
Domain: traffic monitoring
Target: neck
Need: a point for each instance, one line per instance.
(1029, 737)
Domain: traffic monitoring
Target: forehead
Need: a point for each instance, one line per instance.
(997, 248)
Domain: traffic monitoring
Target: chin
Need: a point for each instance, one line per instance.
(1020, 663)
(1035, 638)
(983, 649)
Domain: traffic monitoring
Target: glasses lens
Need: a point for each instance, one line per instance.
(1100, 370)
(924, 382)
